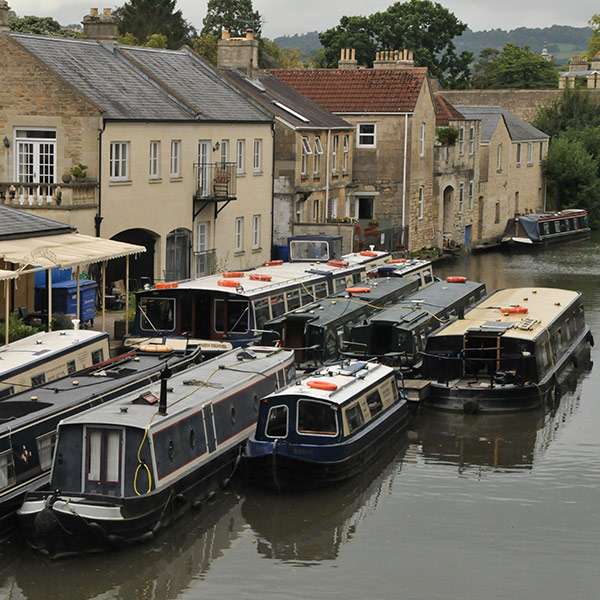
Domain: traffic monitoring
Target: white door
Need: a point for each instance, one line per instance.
(35, 162)
(202, 264)
(203, 167)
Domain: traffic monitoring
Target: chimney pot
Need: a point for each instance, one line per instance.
(225, 35)
(107, 12)
(249, 34)
(94, 12)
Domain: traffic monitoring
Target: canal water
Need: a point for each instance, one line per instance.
(465, 507)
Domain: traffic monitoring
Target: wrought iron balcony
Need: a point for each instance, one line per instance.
(215, 181)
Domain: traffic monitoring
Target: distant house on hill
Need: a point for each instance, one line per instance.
(581, 73)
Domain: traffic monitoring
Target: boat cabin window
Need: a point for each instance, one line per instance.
(546, 228)
(306, 295)
(354, 417)
(7, 470)
(45, 447)
(158, 314)
(427, 276)
(309, 250)
(97, 356)
(38, 379)
(340, 284)
(316, 418)
(293, 300)
(7, 391)
(277, 305)
(231, 316)
(277, 422)
(261, 312)
(72, 366)
(321, 290)
(103, 461)
(374, 402)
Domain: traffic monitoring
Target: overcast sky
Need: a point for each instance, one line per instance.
(286, 17)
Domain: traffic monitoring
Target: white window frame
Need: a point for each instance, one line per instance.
(224, 152)
(316, 210)
(346, 152)
(518, 154)
(255, 232)
(154, 162)
(175, 158)
(461, 197)
(334, 207)
(239, 234)
(257, 157)
(422, 140)
(318, 152)
(421, 201)
(461, 140)
(499, 158)
(366, 139)
(471, 140)
(541, 151)
(334, 153)
(240, 156)
(119, 161)
(36, 154)
(471, 192)
(529, 153)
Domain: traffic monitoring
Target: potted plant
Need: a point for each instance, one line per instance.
(79, 172)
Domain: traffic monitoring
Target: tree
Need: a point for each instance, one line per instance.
(144, 18)
(425, 27)
(573, 180)
(594, 40)
(234, 15)
(206, 47)
(272, 56)
(40, 26)
(514, 68)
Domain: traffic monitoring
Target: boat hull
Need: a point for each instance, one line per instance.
(282, 466)
(60, 528)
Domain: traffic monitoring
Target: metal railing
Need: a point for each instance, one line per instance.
(206, 262)
(216, 180)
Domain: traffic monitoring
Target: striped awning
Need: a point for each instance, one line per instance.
(63, 250)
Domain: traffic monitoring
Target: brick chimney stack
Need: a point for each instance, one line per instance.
(347, 59)
(102, 27)
(238, 53)
(394, 59)
(4, 8)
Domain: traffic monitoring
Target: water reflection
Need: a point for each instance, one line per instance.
(163, 569)
(312, 526)
(477, 444)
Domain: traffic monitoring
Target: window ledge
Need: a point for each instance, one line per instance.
(120, 182)
(257, 172)
(239, 253)
(176, 178)
(256, 250)
(155, 180)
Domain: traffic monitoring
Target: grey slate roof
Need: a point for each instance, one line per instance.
(196, 83)
(169, 86)
(519, 130)
(15, 223)
(269, 89)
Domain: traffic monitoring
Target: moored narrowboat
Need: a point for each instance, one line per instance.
(325, 428)
(548, 228)
(398, 334)
(28, 420)
(126, 469)
(510, 352)
(317, 331)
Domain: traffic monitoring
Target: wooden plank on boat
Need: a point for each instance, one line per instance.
(416, 389)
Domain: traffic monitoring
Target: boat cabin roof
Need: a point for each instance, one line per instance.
(543, 305)
(569, 212)
(43, 345)
(193, 388)
(338, 383)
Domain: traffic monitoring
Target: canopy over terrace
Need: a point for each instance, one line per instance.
(64, 250)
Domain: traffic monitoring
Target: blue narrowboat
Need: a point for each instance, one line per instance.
(326, 427)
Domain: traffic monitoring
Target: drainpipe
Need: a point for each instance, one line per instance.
(98, 218)
(273, 188)
(405, 241)
(327, 175)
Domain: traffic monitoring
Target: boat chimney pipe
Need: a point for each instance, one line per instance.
(461, 312)
(162, 403)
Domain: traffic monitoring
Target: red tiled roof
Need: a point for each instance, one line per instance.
(445, 111)
(358, 90)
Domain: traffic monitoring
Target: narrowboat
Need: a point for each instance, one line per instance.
(549, 228)
(47, 356)
(28, 420)
(317, 331)
(325, 428)
(126, 469)
(410, 268)
(510, 352)
(398, 334)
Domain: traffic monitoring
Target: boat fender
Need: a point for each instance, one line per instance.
(328, 386)
(574, 360)
(96, 529)
(227, 283)
(337, 263)
(46, 521)
(515, 310)
(146, 537)
(395, 261)
(233, 274)
(590, 338)
(116, 541)
(259, 277)
(470, 406)
(358, 290)
(456, 279)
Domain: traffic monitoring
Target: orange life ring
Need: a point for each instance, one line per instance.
(456, 279)
(227, 283)
(394, 261)
(156, 348)
(322, 385)
(358, 290)
(167, 285)
(259, 277)
(515, 310)
(337, 263)
(233, 274)
(272, 263)
(368, 253)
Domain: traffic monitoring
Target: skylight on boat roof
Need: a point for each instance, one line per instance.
(292, 112)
